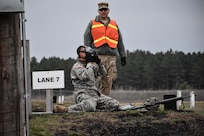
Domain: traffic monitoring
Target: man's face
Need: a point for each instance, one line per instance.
(82, 52)
(103, 13)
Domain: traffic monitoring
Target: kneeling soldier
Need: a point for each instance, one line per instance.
(83, 75)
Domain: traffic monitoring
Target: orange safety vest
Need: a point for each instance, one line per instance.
(102, 34)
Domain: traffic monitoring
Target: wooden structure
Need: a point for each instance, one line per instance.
(12, 109)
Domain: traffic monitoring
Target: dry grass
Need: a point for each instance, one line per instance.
(118, 123)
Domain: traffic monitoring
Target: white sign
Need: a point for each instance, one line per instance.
(48, 79)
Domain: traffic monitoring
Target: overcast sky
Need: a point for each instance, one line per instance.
(56, 27)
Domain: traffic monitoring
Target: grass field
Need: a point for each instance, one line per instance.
(40, 106)
(122, 123)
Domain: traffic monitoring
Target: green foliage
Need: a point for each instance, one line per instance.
(160, 71)
(38, 129)
(144, 70)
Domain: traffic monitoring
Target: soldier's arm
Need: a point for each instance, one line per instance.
(88, 40)
(102, 70)
(87, 72)
(97, 69)
(121, 47)
(80, 72)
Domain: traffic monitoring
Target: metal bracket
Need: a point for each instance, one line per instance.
(26, 95)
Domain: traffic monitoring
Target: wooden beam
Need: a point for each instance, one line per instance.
(12, 109)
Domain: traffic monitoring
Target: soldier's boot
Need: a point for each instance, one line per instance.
(60, 109)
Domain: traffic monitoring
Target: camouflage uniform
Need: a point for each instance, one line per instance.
(87, 97)
(107, 55)
(104, 83)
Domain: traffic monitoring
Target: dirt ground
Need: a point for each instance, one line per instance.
(123, 123)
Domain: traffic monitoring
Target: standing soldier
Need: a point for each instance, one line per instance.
(103, 35)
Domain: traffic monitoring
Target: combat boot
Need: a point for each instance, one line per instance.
(60, 109)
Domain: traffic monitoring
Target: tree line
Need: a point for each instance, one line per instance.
(143, 71)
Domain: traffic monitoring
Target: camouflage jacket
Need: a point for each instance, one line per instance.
(83, 77)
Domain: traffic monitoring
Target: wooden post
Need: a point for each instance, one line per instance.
(12, 107)
(62, 99)
(59, 99)
(178, 103)
(49, 101)
(192, 100)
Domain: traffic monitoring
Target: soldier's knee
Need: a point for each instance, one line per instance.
(90, 105)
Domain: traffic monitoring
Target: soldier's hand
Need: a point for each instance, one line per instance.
(96, 59)
(88, 58)
(123, 61)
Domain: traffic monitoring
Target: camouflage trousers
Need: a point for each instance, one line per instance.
(89, 103)
(104, 84)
